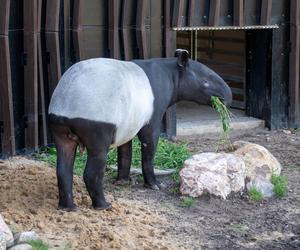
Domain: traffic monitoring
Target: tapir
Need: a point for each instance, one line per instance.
(101, 103)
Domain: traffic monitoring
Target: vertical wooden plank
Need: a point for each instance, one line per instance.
(170, 45)
(126, 30)
(294, 61)
(4, 16)
(30, 74)
(252, 12)
(52, 43)
(113, 26)
(52, 15)
(6, 102)
(266, 11)
(214, 12)
(77, 29)
(178, 15)
(191, 17)
(238, 12)
(141, 28)
(41, 84)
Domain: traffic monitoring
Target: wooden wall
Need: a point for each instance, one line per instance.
(40, 39)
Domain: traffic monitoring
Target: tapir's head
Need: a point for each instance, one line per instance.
(199, 83)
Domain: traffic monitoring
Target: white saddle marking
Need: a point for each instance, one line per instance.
(105, 90)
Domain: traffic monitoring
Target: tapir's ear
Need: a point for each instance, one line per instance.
(183, 57)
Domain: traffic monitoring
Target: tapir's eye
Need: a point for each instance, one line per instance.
(205, 83)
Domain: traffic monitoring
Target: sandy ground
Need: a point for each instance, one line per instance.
(147, 219)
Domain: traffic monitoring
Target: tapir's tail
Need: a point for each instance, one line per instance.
(61, 128)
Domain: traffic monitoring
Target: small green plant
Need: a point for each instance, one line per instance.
(255, 195)
(188, 202)
(297, 130)
(225, 116)
(38, 244)
(175, 190)
(240, 228)
(280, 185)
(295, 167)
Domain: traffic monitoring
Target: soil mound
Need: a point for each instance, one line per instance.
(28, 201)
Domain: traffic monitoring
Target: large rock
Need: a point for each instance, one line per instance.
(6, 232)
(25, 237)
(260, 163)
(214, 173)
(23, 246)
(2, 242)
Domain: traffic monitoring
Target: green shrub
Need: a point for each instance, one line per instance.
(188, 202)
(255, 195)
(280, 185)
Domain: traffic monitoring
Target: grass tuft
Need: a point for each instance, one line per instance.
(280, 185)
(255, 195)
(38, 244)
(188, 202)
(168, 156)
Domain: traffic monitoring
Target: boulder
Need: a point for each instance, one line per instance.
(263, 185)
(214, 173)
(260, 163)
(25, 237)
(6, 232)
(23, 246)
(2, 242)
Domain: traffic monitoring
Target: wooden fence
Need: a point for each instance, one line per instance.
(40, 39)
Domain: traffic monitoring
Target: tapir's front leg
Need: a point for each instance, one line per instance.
(149, 138)
(124, 162)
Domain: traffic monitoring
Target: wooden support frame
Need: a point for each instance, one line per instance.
(52, 43)
(294, 62)
(8, 145)
(238, 12)
(141, 36)
(113, 26)
(266, 11)
(214, 12)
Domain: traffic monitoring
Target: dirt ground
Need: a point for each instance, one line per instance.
(147, 219)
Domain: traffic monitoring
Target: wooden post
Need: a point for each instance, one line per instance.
(238, 12)
(6, 101)
(142, 42)
(266, 11)
(113, 26)
(214, 12)
(294, 62)
(30, 74)
(178, 13)
(77, 29)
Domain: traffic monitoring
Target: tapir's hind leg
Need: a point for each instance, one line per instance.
(124, 162)
(97, 137)
(66, 149)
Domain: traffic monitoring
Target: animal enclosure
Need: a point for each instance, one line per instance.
(40, 39)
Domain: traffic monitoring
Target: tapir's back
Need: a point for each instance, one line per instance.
(105, 90)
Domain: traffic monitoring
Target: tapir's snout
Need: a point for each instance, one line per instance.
(227, 95)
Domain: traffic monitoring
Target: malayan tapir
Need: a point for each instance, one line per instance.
(101, 103)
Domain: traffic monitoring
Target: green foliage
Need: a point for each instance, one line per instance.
(38, 244)
(280, 185)
(225, 116)
(240, 228)
(188, 202)
(168, 156)
(255, 195)
(224, 113)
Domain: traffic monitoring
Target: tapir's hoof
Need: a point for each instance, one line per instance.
(155, 186)
(68, 209)
(103, 206)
